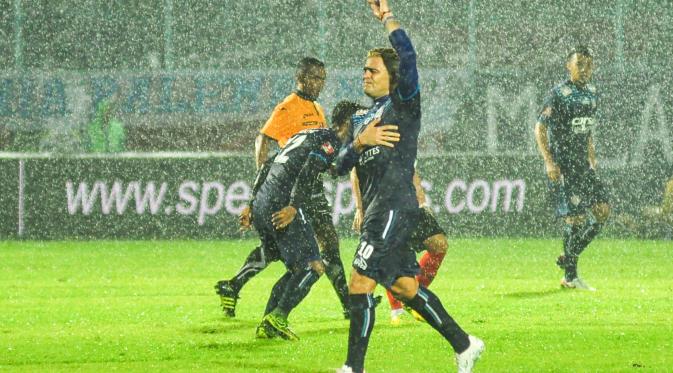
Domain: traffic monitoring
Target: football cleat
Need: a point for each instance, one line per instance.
(280, 326)
(347, 369)
(265, 331)
(576, 283)
(228, 297)
(466, 359)
(417, 316)
(396, 317)
(561, 261)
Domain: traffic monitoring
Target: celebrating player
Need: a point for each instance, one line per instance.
(389, 200)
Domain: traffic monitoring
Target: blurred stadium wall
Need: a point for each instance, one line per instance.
(202, 76)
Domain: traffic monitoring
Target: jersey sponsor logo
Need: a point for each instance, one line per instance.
(583, 125)
(327, 148)
(369, 155)
(311, 123)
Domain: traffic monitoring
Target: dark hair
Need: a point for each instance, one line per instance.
(390, 59)
(306, 63)
(582, 50)
(343, 111)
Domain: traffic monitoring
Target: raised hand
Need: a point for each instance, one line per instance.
(379, 8)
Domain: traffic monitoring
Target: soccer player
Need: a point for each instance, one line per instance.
(277, 213)
(296, 112)
(564, 134)
(389, 200)
(428, 236)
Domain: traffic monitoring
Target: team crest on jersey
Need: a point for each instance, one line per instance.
(591, 88)
(586, 101)
(566, 91)
(327, 148)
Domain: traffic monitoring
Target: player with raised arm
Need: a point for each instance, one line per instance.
(564, 135)
(389, 200)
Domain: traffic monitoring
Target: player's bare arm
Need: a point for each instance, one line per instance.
(262, 146)
(420, 192)
(357, 196)
(592, 153)
(553, 171)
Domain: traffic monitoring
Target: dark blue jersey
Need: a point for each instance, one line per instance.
(569, 114)
(292, 174)
(385, 174)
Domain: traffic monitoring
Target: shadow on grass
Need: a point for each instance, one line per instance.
(534, 294)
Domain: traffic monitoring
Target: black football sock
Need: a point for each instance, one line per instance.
(334, 270)
(570, 235)
(296, 289)
(254, 264)
(277, 292)
(429, 306)
(363, 315)
(586, 234)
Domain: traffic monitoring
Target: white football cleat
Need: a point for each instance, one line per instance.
(396, 316)
(347, 369)
(577, 283)
(469, 357)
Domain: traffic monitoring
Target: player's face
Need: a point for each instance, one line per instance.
(580, 68)
(342, 130)
(375, 80)
(312, 81)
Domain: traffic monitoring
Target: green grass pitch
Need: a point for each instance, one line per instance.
(150, 306)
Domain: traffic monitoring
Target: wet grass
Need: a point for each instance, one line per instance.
(150, 306)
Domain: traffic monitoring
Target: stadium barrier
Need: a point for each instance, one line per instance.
(198, 195)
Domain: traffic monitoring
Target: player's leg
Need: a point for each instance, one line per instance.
(589, 191)
(433, 258)
(228, 290)
(301, 256)
(422, 300)
(328, 240)
(362, 318)
(376, 261)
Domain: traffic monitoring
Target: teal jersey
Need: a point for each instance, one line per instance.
(569, 113)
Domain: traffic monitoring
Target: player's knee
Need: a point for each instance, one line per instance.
(360, 284)
(317, 266)
(437, 244)
(602, 212)
(404, 288)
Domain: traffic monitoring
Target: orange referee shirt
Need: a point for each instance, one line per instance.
(292, 115)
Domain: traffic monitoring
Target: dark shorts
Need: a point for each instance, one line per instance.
(384, 254)
(426, 228)
(576, 193)
(296, 243)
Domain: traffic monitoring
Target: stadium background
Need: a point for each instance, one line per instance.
(201, 77)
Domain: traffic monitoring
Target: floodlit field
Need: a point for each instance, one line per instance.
(150, 306)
